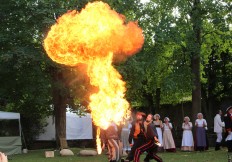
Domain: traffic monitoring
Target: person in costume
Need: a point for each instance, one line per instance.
(151, 144)
(218, 129)
(125, 135)
(201, 126)
(159, 125)
(187, 138)
(137, 134)
(110, 136)
(168, 141)
(228, 127)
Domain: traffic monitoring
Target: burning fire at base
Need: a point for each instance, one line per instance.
(94, 37)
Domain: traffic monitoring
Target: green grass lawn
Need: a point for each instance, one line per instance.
(207, 156)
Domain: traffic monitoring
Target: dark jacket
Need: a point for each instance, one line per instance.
(141, 134)
(151, 132)
(228, 122)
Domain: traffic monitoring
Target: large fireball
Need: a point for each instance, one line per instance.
(94, 37)
(93, 33)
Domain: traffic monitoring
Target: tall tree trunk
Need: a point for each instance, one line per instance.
(59, 101)
(195, 48)
(157, 100)
(196, 91)
(149, 98)
(60, 121)
(211, 86)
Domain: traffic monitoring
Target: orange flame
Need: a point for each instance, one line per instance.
(94, 37)
(98, 141)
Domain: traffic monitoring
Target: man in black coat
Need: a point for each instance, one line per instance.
(151, 142)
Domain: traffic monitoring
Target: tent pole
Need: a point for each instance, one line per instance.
(21, 133)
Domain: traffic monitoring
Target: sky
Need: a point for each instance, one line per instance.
(144, 1)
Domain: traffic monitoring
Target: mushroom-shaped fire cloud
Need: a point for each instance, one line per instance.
(94, 37)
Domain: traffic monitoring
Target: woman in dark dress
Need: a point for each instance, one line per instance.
(201, 126)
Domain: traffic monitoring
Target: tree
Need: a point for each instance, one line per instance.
(195, 52)
(30, 80)
(25, 83)
(163, 58)
(60, 74)
(175, 48)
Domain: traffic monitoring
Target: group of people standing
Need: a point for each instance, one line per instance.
(148, 133)
(223, 126)
(164, 133)
(166, 138)
(143, 137)
(226, 127)
(200, 143)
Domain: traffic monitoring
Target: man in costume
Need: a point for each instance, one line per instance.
(218, 127)
(137, 134)
(151, 144)
(111, 138)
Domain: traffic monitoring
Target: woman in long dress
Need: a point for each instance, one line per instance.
(201, 126)
(187, 139)
(125, 135)
(168, 141)
(159, 125)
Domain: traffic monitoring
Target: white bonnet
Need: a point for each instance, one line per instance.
(200, 114)
(166, 118)
(156, 115)
(186, 117)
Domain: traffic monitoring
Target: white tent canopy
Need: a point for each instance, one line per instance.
(11, 144)
(76, 128)
(9, 115)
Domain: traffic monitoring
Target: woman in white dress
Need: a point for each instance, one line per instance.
(159, 125)
(168, 141)
(187, 139)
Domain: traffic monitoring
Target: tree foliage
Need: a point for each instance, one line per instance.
(165, 61)
(25, 83)
(27, 75)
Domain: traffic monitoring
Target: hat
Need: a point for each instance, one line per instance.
(166, 118)
(140, 113)
(187, 118)
(230, 107)
(198, 114)
(156, 115)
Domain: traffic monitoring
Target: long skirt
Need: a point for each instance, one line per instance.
(125, 135)
(200, 137)
(187, 141)
(160, 135)
(168, 141)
